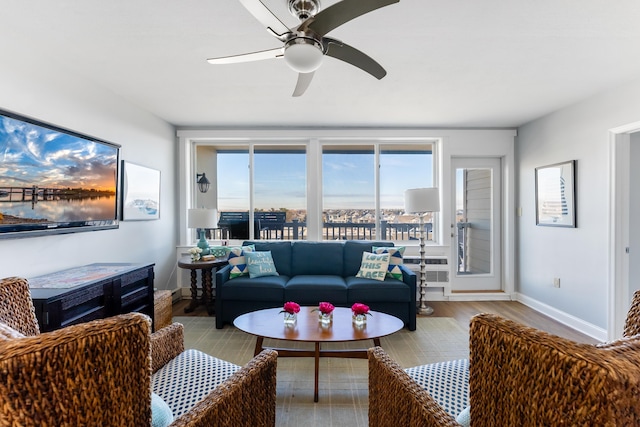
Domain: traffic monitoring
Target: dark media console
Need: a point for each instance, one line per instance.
(91, 292)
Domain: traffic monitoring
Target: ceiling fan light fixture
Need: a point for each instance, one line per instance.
(303, 55)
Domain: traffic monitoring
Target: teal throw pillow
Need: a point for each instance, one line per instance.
(238, 261)
(395, 259)
(374, 266)
(161, 415)
(261, 264)
(464, 417)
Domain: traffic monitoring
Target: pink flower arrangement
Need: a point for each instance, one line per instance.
(291, 307)
(359, 308)
(325, 307)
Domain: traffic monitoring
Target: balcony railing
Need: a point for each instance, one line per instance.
(297, 230)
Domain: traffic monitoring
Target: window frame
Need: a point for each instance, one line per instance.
(314, 153)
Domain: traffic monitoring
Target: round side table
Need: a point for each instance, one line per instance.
(207, 269)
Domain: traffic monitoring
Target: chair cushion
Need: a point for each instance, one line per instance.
(188, 378)
(260, 264)
(446, 382)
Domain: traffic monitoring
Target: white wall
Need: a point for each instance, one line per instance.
(50, 92)
(634, 213)
(578, 256)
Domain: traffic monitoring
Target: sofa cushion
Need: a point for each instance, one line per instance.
(395, 260)
(323, 258)
(311, 289)
(260, 264)
(446, 382)
(353, 250)
(364, 290)
(268, 288)
(188, 378)
(280, 252)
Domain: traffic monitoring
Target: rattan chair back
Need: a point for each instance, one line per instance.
(16, 306)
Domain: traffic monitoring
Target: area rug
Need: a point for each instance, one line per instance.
(343, 389)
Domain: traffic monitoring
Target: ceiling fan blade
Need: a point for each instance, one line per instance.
(339, 13)
(248, 57)
(351, 55)
(304, 79)
(266, 17)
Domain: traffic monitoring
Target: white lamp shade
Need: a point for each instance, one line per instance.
(421, 200)
(202, 218)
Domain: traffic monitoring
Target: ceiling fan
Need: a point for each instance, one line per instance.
(305, 45)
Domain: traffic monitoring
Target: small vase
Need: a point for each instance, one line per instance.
(290, 319)
(325, 318)
(359, 319)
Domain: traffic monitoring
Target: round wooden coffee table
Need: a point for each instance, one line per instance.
(269, 323)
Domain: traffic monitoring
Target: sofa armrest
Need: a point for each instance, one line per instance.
(222, 276)
(95, 373)
(247, 398)
(397, 400)
(411, 279)
(166, 344)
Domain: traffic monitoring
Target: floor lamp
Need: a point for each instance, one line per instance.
(202, 219)
(420, 201)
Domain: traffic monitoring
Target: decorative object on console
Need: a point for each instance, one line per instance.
(420, 201)
(203, 182)
(195, 253)
(140, 192)
(202, 219)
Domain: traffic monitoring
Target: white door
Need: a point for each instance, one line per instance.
(476, 225)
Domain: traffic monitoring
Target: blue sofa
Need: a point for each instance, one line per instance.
(311, 272)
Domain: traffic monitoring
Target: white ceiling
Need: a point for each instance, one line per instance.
(450, 63)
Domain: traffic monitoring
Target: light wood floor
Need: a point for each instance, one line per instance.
(463, 311)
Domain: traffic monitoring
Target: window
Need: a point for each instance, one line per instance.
(360, 188)
(360, 204)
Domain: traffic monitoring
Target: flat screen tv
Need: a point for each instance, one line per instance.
(53, 180)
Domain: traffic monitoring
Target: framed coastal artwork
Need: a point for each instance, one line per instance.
(140, 192)
(556, 195)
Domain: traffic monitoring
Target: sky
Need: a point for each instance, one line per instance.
(34, 155)
(348, 180)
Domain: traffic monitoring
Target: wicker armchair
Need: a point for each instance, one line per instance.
(100, 373)
(519, 376)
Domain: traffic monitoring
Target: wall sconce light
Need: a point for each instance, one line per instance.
(203, 182)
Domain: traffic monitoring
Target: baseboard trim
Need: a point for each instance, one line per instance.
(569, 320)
